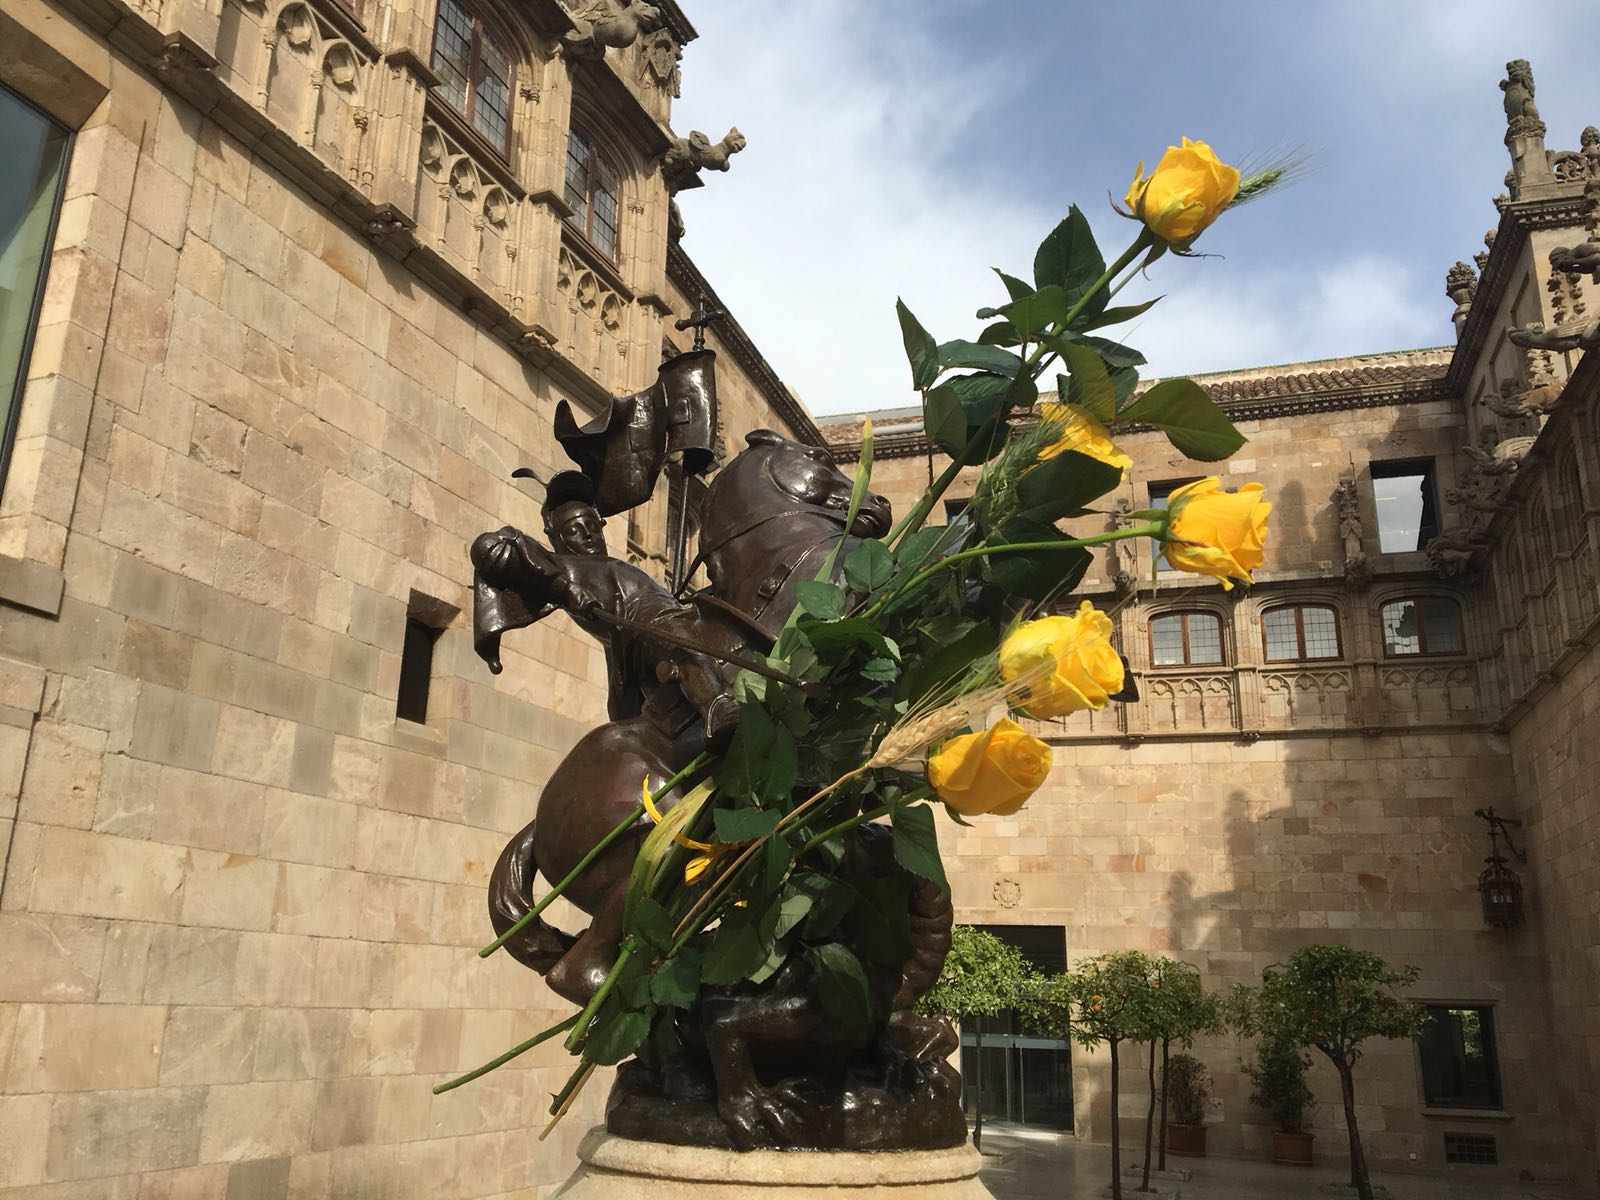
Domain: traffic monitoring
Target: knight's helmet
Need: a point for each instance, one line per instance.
(624, 449)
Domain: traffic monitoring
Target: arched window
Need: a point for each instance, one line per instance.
(1294, 632)
(1185, 639)
(473, 64)
(1422, 625)
(592, 192)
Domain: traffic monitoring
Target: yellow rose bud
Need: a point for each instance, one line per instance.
(1069, 662)
(1187, 191)
(1076, 430)
(990, 772)
(1217, 533)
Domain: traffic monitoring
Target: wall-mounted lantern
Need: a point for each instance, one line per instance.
(1498, 884)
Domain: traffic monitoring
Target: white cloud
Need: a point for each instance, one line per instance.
(855, 189)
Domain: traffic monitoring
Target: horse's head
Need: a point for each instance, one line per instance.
(808, 475)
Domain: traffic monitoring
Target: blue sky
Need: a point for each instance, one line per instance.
(901, 148)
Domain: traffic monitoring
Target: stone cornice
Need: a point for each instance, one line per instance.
(682, 271)
(1262, 407)
(1519, 218)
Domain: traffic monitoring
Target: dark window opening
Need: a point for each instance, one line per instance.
(426, 619)
(34, 150)
(475, 72)
(1159, 493)
(1425, 625)
(1406, 498)
(591, 192)
(1190, 639)
(1459, 1066)
(954, 508)
(1300, 632)
(1473, 1149)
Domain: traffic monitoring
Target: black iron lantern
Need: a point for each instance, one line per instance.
(1498, 885)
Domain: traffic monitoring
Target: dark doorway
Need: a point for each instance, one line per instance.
(1026, 1076)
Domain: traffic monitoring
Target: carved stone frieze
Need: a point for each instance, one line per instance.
(465, 216)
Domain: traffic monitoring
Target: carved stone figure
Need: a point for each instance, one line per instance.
(1589, 150)
(1460, 283)
(1347, 501)
(1568, 335)
(1120, 562)
(1576, 261)
(1450, 554)
(1482, 257)
(609, 23)
(687, 157)
(659, 63)
(1516, 402)
(1518, 89)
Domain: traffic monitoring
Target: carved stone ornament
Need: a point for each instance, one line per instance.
(1347, 502)
(614, 24)
(1007, 893)
(659, 63)
(1451, 553)
(1482, 257)
(687, 157)
(1460, 284)
(1521, 113)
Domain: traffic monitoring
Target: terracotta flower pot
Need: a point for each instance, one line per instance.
(1292, 1148)
(1186, 1141)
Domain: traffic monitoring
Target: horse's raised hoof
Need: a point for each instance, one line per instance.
(742, 1115)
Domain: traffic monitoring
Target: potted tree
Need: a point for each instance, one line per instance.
(1333, 998)
(982, 977)
(1278, 1081)
(1182, 1011)
(1188, 1090)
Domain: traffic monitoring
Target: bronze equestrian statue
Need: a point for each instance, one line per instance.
(748, 1065)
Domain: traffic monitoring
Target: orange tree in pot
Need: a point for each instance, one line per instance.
(1278, 1083)
(1188, 1090)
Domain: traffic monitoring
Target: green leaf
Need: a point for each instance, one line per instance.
(1069, 259)
(944, 420)
(1091, 388)
(1001, 333)
(616, 1034)
(869, 566)
(1193, 423)
(1115, 353)
(1015, 288)
(737, 949)
(820, 598)
(1037, 312)
(841, 985)
(831, 900)
(676, 982)
(880, 670)
(1035, 574)
(793, 909)
(1124, 380)
(761, 761)
(922, 352)
(1063, 486)
(1112, 316)
(947, 657)
(743, 824)
(920, 549)
(916, 844)
(979, 357)
(653, 923)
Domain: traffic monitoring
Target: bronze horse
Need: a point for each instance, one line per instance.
(771, 517)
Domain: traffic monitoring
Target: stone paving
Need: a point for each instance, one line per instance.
(1027, 1165)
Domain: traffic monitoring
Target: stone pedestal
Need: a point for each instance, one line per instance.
(616, 1168)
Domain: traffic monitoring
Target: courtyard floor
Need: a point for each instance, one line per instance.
(1027, 1165)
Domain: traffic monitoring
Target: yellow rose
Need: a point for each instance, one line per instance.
(1076, 665)
(990, 772)
(1077, 430)
(1217, 533)
(1187, 191)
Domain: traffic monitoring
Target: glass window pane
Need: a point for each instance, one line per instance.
(1459, 1065)
(1401, 495)
(1282, 639)
(34, 151)
(1322, 632)
(1402, 633)
(1166, 641)
(1441, 626)
(1205, 639)
(491, 110)
(452, 52)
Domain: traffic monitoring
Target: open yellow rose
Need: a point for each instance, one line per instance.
(1217, 533)
(990, 772)
(1187, 191)
(1076, 430)
(1069, 662)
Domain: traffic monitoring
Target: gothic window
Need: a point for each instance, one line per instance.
(475, 73)
(1185, 639)
(35, 152)
(592, 193)
(1421, 625)
(1407, 501)
(1300, 632)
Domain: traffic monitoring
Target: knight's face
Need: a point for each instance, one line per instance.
(578, 529)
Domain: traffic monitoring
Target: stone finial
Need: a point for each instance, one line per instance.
(1525, 130)
(1460, 281)
(1347, 502)
(1482, 256)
